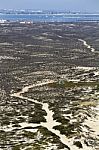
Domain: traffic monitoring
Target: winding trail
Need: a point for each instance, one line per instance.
(87, 45)
(50, 122)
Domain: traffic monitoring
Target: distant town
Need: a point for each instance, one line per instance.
(30, 11)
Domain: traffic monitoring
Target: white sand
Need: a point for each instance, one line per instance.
(87, 45)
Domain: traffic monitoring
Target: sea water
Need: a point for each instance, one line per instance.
(51, 17)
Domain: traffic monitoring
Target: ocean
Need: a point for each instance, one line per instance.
(51, 17)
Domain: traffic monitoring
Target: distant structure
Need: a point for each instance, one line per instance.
(26, 22)
(3, 21)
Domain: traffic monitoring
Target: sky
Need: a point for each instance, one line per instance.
(69, 5)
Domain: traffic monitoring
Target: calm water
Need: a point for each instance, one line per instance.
(51, 18)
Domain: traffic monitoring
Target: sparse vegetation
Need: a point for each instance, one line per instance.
(31, 54)
(70, 84)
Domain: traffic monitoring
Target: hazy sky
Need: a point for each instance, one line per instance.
(72, 5)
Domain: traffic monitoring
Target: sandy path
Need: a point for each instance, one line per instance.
(87, 45)
(50, 122)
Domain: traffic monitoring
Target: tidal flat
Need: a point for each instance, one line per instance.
(49, 86)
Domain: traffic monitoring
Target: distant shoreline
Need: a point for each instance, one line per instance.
(61, 17)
